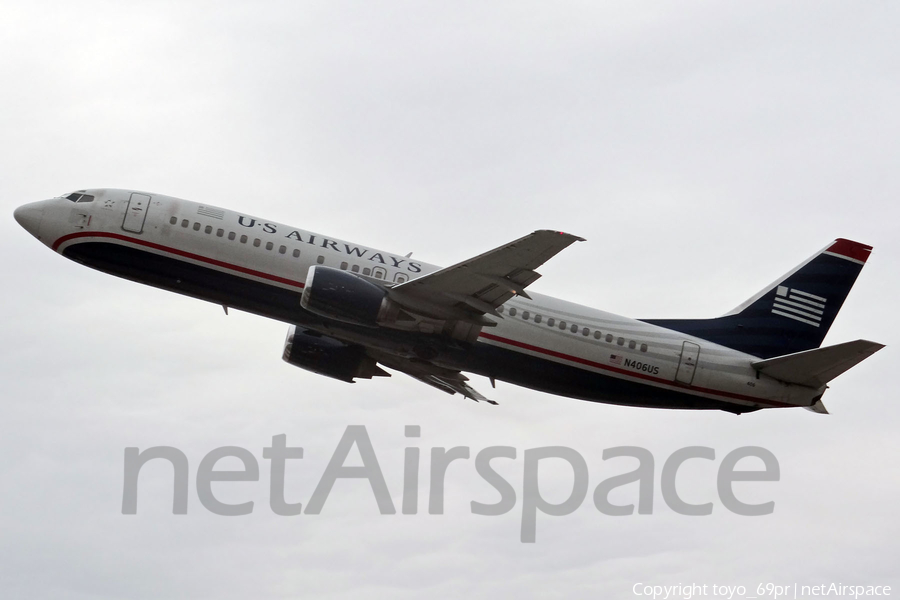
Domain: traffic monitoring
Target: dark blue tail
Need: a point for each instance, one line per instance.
(791, 315)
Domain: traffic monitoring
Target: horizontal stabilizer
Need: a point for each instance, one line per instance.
(815, 368)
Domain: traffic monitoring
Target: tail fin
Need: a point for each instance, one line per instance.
(791, 315)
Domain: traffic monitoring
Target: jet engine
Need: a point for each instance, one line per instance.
(350, 298)
(327, 356)
(343, 296)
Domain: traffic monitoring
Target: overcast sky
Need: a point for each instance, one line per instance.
(702, 148)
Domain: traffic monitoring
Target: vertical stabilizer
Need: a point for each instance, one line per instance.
(791, 315)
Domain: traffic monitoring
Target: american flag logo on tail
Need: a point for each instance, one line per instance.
(800, 306)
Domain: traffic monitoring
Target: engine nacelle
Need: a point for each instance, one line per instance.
(327, 356)
(350, 298)
(343, 296)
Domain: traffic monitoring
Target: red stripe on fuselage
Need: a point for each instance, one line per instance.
(176, 251)
(597, 365)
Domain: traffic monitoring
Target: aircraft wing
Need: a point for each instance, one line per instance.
(446, 380)
(477, 286)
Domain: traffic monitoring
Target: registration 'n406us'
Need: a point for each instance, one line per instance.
(642, 366)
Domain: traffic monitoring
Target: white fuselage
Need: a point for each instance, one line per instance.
(185, 247)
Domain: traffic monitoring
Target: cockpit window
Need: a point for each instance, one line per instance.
(79, 197)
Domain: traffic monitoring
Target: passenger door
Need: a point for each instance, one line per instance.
(136, 213)
(690, 354)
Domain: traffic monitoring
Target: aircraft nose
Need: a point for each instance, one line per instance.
(29, 216)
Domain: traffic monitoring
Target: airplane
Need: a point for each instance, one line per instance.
(355, 311)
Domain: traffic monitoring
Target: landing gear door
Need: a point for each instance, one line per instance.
(136, 213)
(690, 353)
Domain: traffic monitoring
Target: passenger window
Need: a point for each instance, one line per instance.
(400, 277)
(597, 335)
(256, 242)
(537, 318)
(208, 229)
(632, 344)
(296, 253)
(355, 268)
(512, 312)
(243, 239)
(501, 308)
(585, 332)
(185, 223)
(282, 249)
(643, 347)
(173, 220)
(320, 260)
(574, 328)
(220, 232)
(196, 226)
(525, 314)
(231, 235)
(378, 272)
(269, 245)
(562, 325)
(367, 271)
(621, 341)
(344, 266)
(551, 321)
(609, 338)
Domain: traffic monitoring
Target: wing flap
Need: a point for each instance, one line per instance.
(454, 387)
(446, 380)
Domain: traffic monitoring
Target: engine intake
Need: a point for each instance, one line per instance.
(328, 356)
